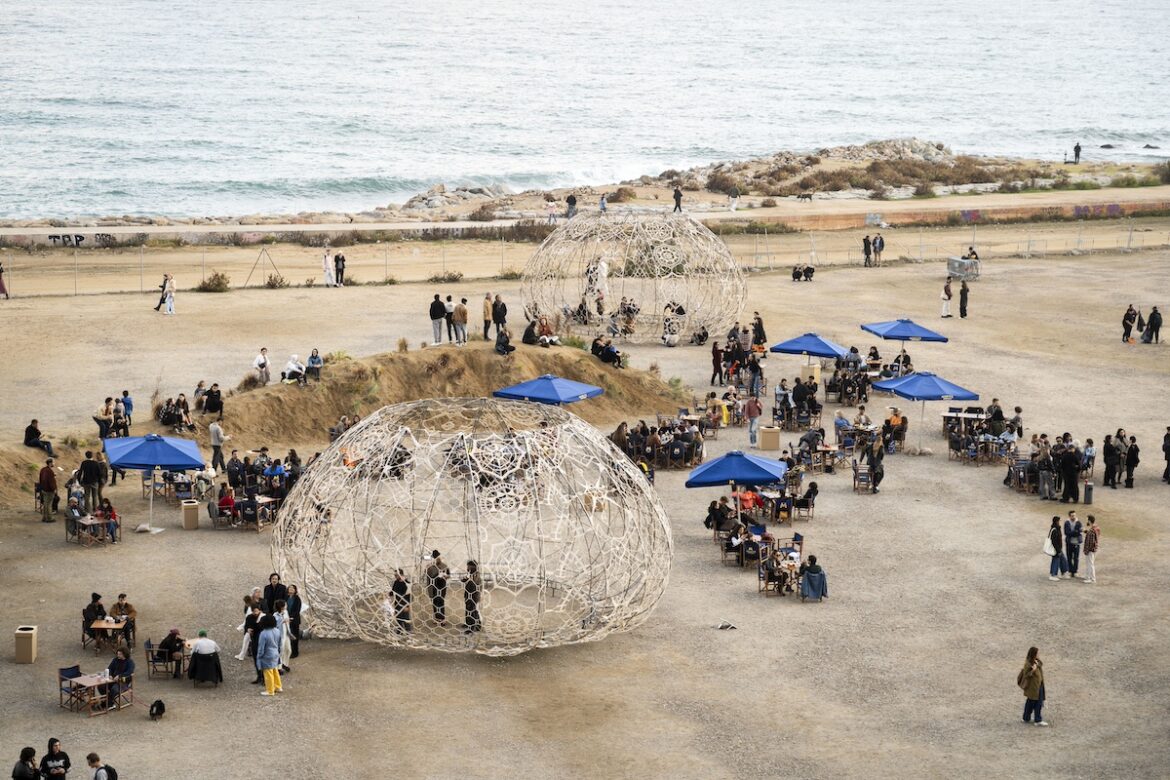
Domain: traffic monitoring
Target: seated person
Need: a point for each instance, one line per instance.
(248, 511)
(874, 358)
(597, 345)
(809, 498)
(812, 439)
(504, 343)
(810, 566)
(227, 502)
(545, 332)
(167, 414)
(171, 649)
(106, 512)
(861, 418)
(124, 611)
(841, 424)
(849, 390)
(797, 272)
(315, 364)
(714, 516)
(530, 336)
(895, 419)
(1009, 435)
(183, 413)
(833, 383)
(294, 371)
(749, 499)
(735, 541)
(971, 254)
(853, 359)
(902, 358)
(73, 514)
(776, 570)
(886, 372)
(121, 673)
(203, 645)
(610, 355)
(727, 518)
(33, 438)
(94, 611)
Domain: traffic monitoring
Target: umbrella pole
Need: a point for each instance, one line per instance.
(921, 426)
(150, 519)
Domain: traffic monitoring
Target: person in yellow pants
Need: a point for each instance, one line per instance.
(268, 655)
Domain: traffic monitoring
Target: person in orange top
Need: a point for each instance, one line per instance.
(895, 416)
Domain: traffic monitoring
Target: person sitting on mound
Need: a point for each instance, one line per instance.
(294, 371)
(544, 330)
(611, 355)
(529, 336)
(504, 343)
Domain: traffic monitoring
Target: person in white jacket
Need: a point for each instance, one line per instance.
(327, 268)
(262, 366)
(294, 370)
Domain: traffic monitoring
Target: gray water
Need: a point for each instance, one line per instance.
(216, 107)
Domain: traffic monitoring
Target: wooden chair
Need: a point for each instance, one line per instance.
(218, 519)
(736, 556)
(124, 696)
(799, 511)
(862, 479)
(764, 585)
(70, 696)
(154, 664)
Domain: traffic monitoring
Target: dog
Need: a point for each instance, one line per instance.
(157, 709)
(804, 196)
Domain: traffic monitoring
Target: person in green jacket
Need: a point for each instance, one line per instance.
(1031, 680)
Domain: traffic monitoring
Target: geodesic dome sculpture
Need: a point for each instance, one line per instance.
(675, 276)
(568, 540)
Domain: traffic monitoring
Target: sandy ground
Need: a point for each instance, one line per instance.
(938, 584)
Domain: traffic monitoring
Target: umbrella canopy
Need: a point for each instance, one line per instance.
(810, 344)
(737, 468)
(903, 330)
(549, 389)
(153, 451)
(925, 386)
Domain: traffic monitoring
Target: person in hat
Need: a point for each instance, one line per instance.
(171, 649)
(203, 644)
(94, 611)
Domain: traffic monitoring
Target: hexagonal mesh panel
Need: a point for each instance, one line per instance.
(548, 534)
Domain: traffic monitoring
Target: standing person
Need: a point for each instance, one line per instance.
(1127, 322)
(26, 767)
(400, 595)
(459, 318)
(1070, 469)
(472, 588)
(274, 591)
(963, 291)
(47, 482)
(268, 655)
(759, 335)
(1031, 681)
(571, 206)
(449, 316)
(499, 314)
(945, 297)
(252, 636)
(262, 366)
(293, 605)
(1154, 325)
(327, 268)
(1166, 454)
(877, 457)
(89, 476)
(55, 763)
(602, 204)
(218, 437)
(339, 269)
(162, 293)
(487, 315)
(677, 200)
(281, 615)
(1073, 537)
(437, 574)
(1111, 454)
(1077, 153)
(879, 246)
(437, 313)
(100, 770)
(169, 294)
(733, 197)
(1057, 565)
(128, 408)
(1131, 460)
(716, 364)
(3, 289)
(550, 207)
(867, 250)
(753, 410)
(1092, 542)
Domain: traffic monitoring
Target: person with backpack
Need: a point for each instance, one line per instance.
(1031, 682)
(101, 770)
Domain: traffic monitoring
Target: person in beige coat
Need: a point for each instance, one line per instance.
(487, 315)
(459, 320)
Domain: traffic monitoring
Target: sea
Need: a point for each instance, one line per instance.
(220, 107)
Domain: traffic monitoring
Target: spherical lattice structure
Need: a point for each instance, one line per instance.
(569, 541)
(675, 275)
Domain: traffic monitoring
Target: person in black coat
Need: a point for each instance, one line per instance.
(274, 591)
(1070, 467)
(499, 314)
(1111, 455)
(1166, 454)
(963, 292)
(1127, 322)
(252, 629)
(213, 401)
(1131, 461)
(1154, 325)
(293, 605)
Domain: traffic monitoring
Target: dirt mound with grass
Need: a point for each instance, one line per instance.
(290, 414)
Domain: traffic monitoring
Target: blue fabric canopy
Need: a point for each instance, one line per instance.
(739, 468)
(153, 451)
(550, 389)
(925, 386)
(903, 330)
(810, 344)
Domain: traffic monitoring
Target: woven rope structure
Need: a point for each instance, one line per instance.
(569, 541)
(678, 275)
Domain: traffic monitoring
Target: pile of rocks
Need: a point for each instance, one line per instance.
(894, 149)
(438, 197)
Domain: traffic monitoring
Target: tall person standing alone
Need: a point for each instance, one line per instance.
(1031, 681)
(487, 315)
(963, 292)
(945, 297)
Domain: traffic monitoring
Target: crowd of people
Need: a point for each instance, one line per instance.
(272, 632)
(295, 371)
(1149, 328)
(55, 764)
(398, 604)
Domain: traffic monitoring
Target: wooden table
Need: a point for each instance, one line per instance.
(90, 530)
(821, 457)
(89, 694)
(964, 418)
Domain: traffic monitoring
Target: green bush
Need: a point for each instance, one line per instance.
(447, 277)
(350, 281)
(1162, 171)
(218, 282)
(509, 274)
(575, 341)
(276, 282)
(1129, 180)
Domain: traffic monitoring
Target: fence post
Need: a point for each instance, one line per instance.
(1129, 241)
(385, 263)
(204, 265)
(501, 253)
(11, 265)
(75, 272)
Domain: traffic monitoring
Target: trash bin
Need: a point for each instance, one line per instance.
(1088, 493)
(769, 438)
(190, 515)
(26, 644)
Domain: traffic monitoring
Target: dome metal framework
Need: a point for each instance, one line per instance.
(675, 276)
(548, 534)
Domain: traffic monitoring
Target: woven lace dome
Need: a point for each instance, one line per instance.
(654, 260)
(571, 542)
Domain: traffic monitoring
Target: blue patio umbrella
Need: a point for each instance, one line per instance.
(737, 468)
(924, 387)
(549, 389)
(810, 344)
(903, 330)
(150, 452)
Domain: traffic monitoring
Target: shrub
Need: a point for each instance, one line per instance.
(403, 345)
(720, 181)
(337, 356)
(1008, 187)
(447, 277)
(781, 172)
(811, 160)
(1129, 180)
(623, 195)
(349, 280)
(484, 213)
(249, 382)
(509, 274)
(677, 388)
(268, 239)
(730, 228)
(1162, 171)
(879, 193)
(669, 173)
(384, 282)
(312, 280)
(768, 202)
(575, 341)
(924, 190)
(276, 282)
(218, 282)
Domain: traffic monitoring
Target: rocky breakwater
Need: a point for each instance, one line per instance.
(439, 197)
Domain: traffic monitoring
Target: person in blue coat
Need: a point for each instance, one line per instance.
(814, 583)
(268, 655)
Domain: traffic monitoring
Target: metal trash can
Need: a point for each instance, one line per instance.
(190, 515)
(1088, 493)
(769, 438)
(26, 644)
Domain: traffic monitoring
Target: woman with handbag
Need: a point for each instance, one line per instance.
(1031, 681)
(1054, 547)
